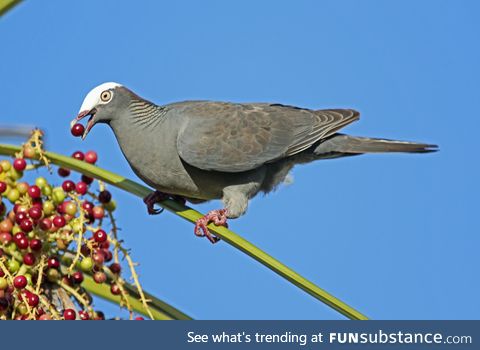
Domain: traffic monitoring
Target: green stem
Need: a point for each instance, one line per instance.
(103, 291)
(6, 5)
(193, 215)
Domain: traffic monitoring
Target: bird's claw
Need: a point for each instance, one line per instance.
(218, 217)
(152, 199)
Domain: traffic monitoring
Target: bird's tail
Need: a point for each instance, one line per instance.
(343, 145)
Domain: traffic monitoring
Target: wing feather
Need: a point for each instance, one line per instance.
(231, 137)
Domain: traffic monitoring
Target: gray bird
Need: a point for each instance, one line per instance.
(204, 150)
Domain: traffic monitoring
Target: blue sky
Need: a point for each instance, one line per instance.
(395, 236)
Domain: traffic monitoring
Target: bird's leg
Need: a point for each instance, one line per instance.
(218, 217)
(154, 198)
(179, 199)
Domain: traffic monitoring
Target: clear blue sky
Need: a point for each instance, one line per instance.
(396, 236)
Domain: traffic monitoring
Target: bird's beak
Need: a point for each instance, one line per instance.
(90, 123)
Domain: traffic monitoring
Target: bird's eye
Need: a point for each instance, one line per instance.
(106, 96)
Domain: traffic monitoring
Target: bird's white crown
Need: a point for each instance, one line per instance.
(93, 97)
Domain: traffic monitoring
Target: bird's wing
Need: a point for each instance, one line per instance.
(232, 137)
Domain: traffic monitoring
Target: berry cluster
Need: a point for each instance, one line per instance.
(52, 238)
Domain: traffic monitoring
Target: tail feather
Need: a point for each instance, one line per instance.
(350, 145)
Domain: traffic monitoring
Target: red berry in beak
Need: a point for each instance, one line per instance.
(77, 130)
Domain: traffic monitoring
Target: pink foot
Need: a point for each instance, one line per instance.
(218, 217)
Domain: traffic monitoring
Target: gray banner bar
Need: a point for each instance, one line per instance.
(415, 335)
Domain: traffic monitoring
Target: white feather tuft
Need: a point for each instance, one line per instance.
(93, 97)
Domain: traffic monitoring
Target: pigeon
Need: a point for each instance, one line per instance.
(198, 151)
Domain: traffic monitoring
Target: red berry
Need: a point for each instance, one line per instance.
(99, 277)
(20, 282)
(62, 172)
(81, 188)
(139, 318)
(5, 237)
(17, 208)
(68, 185)
(78, 155)
(37, 203)
(34, 192)
(87, 180)
(108, 256)
(115, 289)
(69, 314)
(35, 245)
(22, 243)
(6, 225)
(105, 245)
(77, 130)
(105, 196)
(91, 157)
(20, 216)
(18, 236)
(59, 221)
(100, 236)
(77, 277)
(98, 257)
(3, 187)
(35, 212)
(19, 164)
(83, 315)
(45, 224)
(33, 299)
(85, 250)
(29, 259)
(115, 268)
(26, 225)
(98, 212)
(53, 262)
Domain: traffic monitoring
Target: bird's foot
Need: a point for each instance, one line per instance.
(218, 217)
(152, 199)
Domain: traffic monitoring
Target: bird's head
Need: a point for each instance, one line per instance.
(102, 104)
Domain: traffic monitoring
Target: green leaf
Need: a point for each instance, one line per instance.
(193, 215)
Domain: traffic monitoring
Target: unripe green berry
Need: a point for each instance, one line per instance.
(58, 195)
(3, 283)
(86, 264)
(22, 187)
(6, 165)
(13, 195)
(76, 225)
(66, 260)
(15, 174)
(53, 275)
(47, 190)
(22, 309)
(111, 206)
(29, 278)
(70, 208)
(16, 229)
(12, 248)
(48, 208)
(13, 265)
(41, 182)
